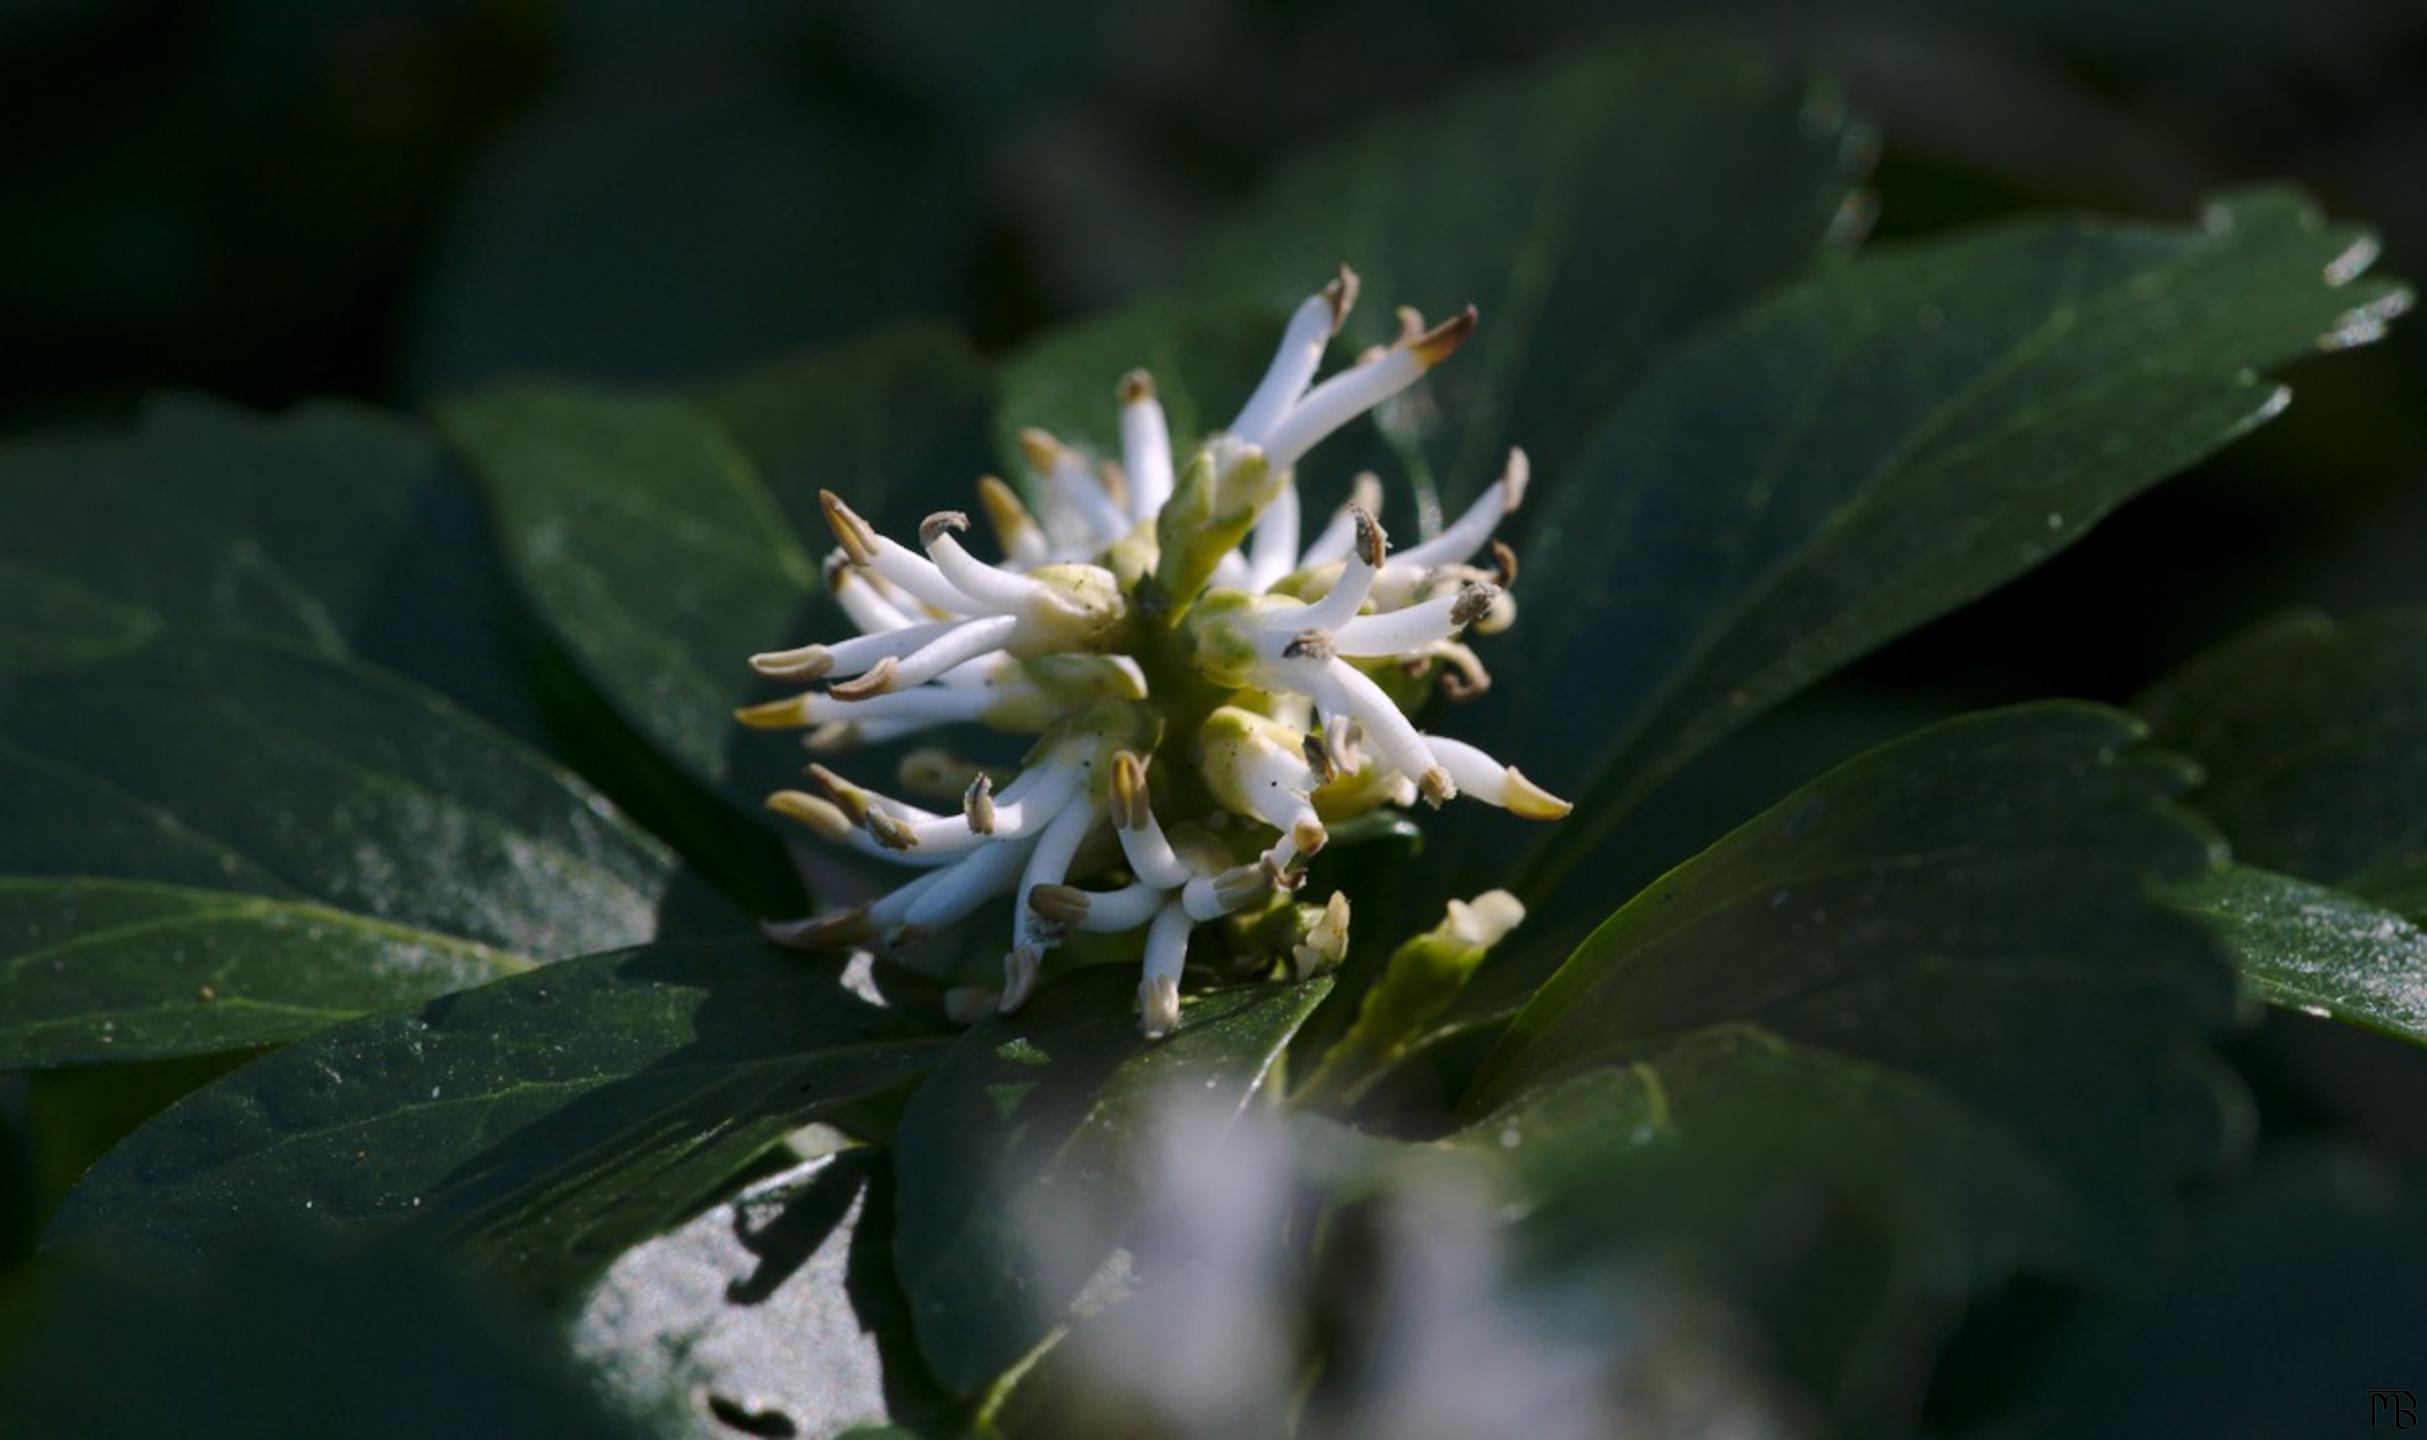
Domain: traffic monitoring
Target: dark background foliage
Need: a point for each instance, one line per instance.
(395, 199)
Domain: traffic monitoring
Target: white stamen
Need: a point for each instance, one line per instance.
(1340, 688)
(1111, 912)
(1272, 551)
(1145, 446)
(1293, 368)
(1049, 864)
(1075, 485)
(991, 586)
(864, 603)
(855, 656)
(1352, 392)
(1209, 897)
(1167, 942)
(958, 645)
(1458, 544)
(1030, 802)
(1479, 775)
(892, 910)
(1339, 534)
(1401, 632)
(988, 871)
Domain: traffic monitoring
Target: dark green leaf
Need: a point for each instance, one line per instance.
(663, 541)
(1594, 212)
(649, 545)
(1966, 910)
(1848, 1208)
(779, 1304)
(2314, 738)
(50, 622)
(894, 421)
(2317, 949)
(552, 1119)
(220, 844)
(1023, 1161)
(110, 969)
(1865, 451)
(2292, 1312)
(333, 527)
(270, 1344)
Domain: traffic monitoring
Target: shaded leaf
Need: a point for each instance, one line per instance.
(219, 844)
(2291, 1312)
(665, 540)
(2317, 949)
(647, 542)
(2313, 734)
(261, 1343)
(333, 527)
(1023, 1161)
(1587, 249)
(894, 420)
(1966, 909)
(551, 1119)
(1847, 1208)
(54, 623)
(778, 1305)
(1869, 449)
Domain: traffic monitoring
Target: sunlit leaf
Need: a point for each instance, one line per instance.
(2317, 949)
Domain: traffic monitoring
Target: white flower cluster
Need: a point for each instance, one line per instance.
(1179, 652)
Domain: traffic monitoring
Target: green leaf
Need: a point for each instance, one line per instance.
(2316, 949)
(114, 969)
(1024, 1160)
(550, 1120)
(1868, 450)
(1966, 909)
(218, 845)
(256, 1342)
(778, 1306)
(50, 622)
(1587, 246)
(2292, 1301)
(1849, 1208)
(664, 540)
(894, 421)
(649, 545)
(332, 527)
(2313, 734)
